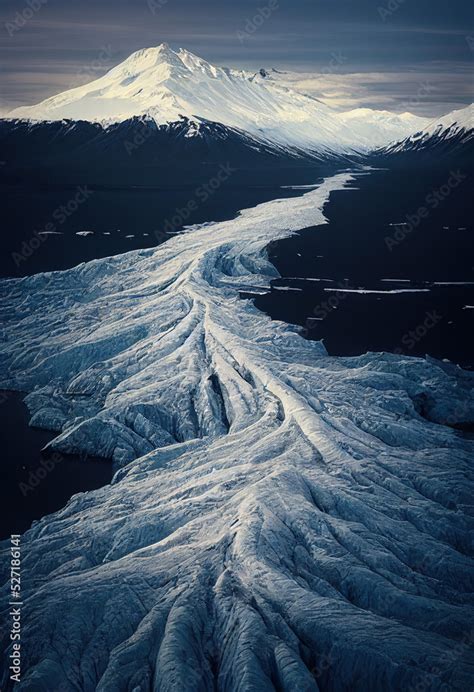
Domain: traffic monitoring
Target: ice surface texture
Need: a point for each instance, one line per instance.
(280, 519)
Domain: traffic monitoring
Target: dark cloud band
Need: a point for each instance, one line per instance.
(50, 46)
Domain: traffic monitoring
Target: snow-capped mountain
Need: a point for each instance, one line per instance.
(167, 85)
(138, 152)
(455, 128)
(373, 125)
(366, 121)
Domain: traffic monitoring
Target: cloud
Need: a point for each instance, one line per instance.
(385, 62)
(431, 91)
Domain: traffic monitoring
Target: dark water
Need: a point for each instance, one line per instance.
(359, 249)
(149, 216)
(33, 484)
(352, 251)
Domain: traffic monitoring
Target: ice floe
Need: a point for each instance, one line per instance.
(383, 293)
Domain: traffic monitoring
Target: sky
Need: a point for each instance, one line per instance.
(414, 55)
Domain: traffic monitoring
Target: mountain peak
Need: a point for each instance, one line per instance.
(163, 62)
(462, 118)
(166, 84)
(456, 127)
(162, 49)
(147, 58)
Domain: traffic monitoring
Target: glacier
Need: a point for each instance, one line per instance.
(279, 519)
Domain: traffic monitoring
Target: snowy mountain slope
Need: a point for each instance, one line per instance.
(166, 85)
(282, 519)
(140, 152)
(451, 124)
(381, 124)
(454, 129)
(27, 140)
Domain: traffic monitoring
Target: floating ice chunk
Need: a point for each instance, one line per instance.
(306, 278)
(453, 283)
(366, 290)
(299, 187)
